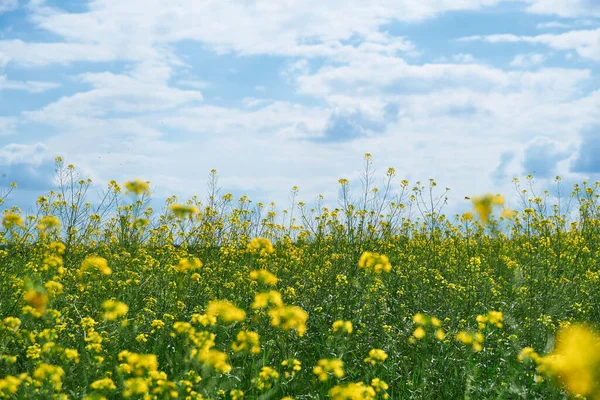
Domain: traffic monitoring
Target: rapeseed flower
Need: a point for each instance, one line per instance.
(246, 340)
(289, 317)
(184, 211)
(37, 298)
(266, 377)
(575, 360)
(374, 262)
(225, 311)
(352, 391)
(137, 187)
(263, 276)
(376, 356)
(114, 309)
(261, 245)
(11, 220)
(328, 366)
(342, 327)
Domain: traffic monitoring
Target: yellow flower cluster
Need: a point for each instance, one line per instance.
(575, 360)
(376, 356)
(114, 309)
(352, 391)
(374, 262)
(266, 377)
(423, 321)
(289, 317)
(493, 317)
(261, 245)
(292, 366)
(247, 340)
(263, 276)
(225, 311)
(188, 264)
(137, 187)
(184, 211)
(484, 205)
(328, 366)
(94, 264)
(471, 338)
(340, 326)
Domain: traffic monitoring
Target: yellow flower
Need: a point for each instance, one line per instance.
(264, 300)
(184, 211)
(11, 219)
(380, 386)
(103, 384)
(352, 391)
(261, 245)
(226, 311)
(374, 262)
(376, 356)
(236, 394)
(484, 205)
(342, 326)
(37, 299)
(216, 359)
(10, 385)
(289, 317)
(419, 333)
(114, 309)
(137, 187)
(439, 334)
(247, 341)
(53, 288)
(292, 366)
(468, 338)
(328, 366)
(264, 276)
(575, 360)
(266, 378)
(91, 264)
(135, 386)
(72, 354)
(49, 373)
(48, 222)
(189, 264)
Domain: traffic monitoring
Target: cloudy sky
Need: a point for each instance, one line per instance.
(293, 92)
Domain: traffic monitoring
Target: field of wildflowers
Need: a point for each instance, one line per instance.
(383, 297)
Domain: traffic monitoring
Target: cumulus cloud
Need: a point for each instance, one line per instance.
(499, 175)
(29, 86)
(8, 5)
(27, 165)
(586, 42)
(8, 125)
(569, 9)
(542, 155)
(587, 160)
(343, 126)
(527, 60)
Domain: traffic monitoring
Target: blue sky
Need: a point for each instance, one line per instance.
(276, 94)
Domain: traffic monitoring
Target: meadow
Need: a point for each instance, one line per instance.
(380, 297)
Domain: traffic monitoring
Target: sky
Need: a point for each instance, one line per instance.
(274, 94)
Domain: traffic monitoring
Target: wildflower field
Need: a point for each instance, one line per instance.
(381, 296)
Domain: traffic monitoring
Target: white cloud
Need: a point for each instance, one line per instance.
(8, 5)
(553, 25)
(8, 126)
(527, 60)
(565, 8)
(140, 30)
(22, 153)
(29, 86)
(585, 42)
